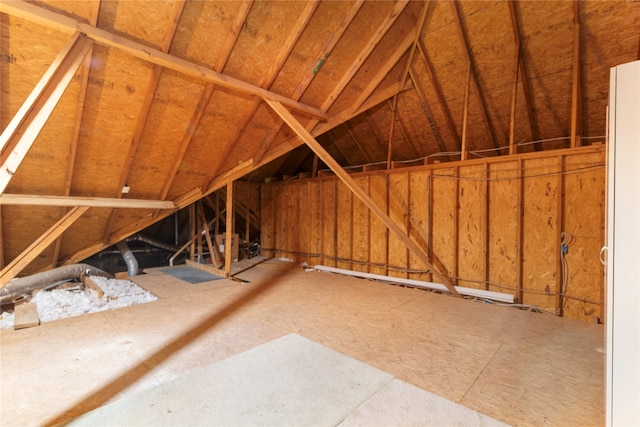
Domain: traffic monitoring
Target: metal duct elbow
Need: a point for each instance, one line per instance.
(129, 258)
(16, 288)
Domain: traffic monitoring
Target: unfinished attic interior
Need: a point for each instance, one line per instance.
(418, 193)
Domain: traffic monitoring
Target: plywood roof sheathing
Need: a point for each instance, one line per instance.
(29, 254)
(22, 131)
(474, 74)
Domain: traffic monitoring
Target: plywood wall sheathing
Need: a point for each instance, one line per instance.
(484, 202)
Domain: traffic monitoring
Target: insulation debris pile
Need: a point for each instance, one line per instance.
(61, 303)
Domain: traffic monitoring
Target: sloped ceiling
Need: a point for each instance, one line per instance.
(169, 100)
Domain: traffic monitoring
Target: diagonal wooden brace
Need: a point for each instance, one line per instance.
(351, 184)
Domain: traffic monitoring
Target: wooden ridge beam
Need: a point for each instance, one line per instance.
(48, 237)
(25, 126)
(474, 74)
(356, 190)
(141, 51)
(95, 202)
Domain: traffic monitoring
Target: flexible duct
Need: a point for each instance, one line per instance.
(151, 242)
(25, 285)
(129, 258)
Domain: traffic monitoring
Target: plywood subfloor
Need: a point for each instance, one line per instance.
(518, 367)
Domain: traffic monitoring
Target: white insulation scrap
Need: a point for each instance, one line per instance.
(59, 304)
(284, 259)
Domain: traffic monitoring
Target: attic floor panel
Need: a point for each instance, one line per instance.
(518, 367)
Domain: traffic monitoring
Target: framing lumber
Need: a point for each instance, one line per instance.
(465, 116)
(426, 109)
(364, 54)
(417, 35)
(526, 87)
(333, 96)
(24, 128)
(376, 131)
(442, 100)
(384, 71)
(266, 83)
(514, 98)
(228, 230)
(207, 93)
(365, 152)
(576, 96)
(95, 202)
(24, 259)
(213, 249)
(85, 69)
(327, 48)
(391, 129)
(356, 190)
(145, 109)
(66, 24)
(474, 74)
(403, 130)
(192, 231)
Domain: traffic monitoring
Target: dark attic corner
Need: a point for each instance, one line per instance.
(211, 181)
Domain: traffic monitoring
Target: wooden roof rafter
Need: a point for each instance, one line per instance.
(207, 93)
(427, 109)
(365, 152)
(380, 140)
(474, 73)
(266, 83)
(146, 53)
(403, 130)
(322, 54)
(451, 125)
(418, 34)
(524, 74)
(152, 87)
(23, 129)
(73, 149)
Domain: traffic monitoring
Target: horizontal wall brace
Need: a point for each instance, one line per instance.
(92, 202)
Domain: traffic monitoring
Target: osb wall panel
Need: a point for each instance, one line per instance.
(379, 249)
(471, 226)
(470, 214)
(344, 226)
(540, 222)
(443, 216)
(583, 220)
(398, 212)
(329, 217)
(504, 209)
(361, 229)
(419, 220)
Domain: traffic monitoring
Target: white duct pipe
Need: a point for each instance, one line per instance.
(478, 293)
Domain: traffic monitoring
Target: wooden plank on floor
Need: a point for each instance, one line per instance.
(26, 315)
(89, 283)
